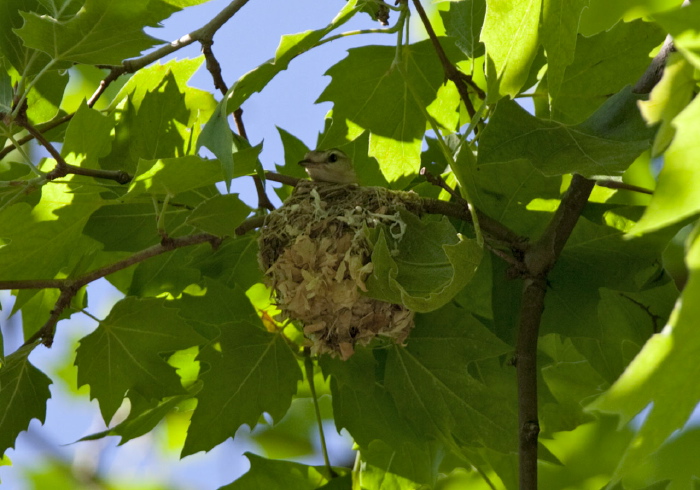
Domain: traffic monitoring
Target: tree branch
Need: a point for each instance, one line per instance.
(204, 33)
(461, 80)
(70, 287)
(540, 258)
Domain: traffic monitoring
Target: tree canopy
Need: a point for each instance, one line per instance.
(553, 147)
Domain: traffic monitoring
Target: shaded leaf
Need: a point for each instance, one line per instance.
(130, 227)
(46, 238)
(560, 20)
(233, 263)
(219, 215)
(286, 475)
(430, 265)
(430, 375)
(602, 66)
(124, 353)
(251, 372)
(664, 375)
(605, 144)
(24, 391)
(463, 22)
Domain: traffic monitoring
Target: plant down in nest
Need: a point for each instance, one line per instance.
(316, 254)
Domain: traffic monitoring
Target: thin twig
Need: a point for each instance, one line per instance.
(461, 80)
(204, 33)
(61, 165)
(309, 368)
(214, 67)
(70, 287)
(616, 184)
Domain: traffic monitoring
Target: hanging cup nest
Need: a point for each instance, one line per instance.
(315, 252)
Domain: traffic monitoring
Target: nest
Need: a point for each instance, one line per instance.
(316, 255)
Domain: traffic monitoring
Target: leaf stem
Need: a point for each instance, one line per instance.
(309, 367)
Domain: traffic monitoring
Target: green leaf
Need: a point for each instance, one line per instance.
(143, 416)
(233, 263)
(389, 97)
(446, 403)
(159, 129)
(217, 137)
(286, 475)
(26, 61)
(602, 66)
(668, 98)
(463, 22)
(605, 144)
(506, 195)
(510, 36)
(166, 273)
(87, 138)
(219, 215)
(130, 227)
(102, 32)
(42, 240)
(663, 375)
(601, 15)
(683, 24)
(676, 196)
(125, 353)
(431, 264)
(363, 407)
(149, 79)
(6, 93)
(172, 176)
(251, 371)
(45, 97)
(24, 391)
(570, 379)
(560, 20)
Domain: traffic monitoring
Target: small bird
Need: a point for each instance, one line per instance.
(329, 166)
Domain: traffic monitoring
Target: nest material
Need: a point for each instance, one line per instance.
(316, 255)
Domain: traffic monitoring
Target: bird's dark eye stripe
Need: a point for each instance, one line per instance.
(332, 158)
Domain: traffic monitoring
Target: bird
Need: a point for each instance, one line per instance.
(331, 165)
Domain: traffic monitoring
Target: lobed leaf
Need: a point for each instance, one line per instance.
(24, 391)
(663, 375)
(604, 144)
(511, 40)
(676, 196)
(429, 264)
(124, 353)
(102, 32)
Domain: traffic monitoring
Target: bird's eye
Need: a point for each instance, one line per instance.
(333, 158)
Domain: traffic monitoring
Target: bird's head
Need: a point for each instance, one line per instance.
(329, 166)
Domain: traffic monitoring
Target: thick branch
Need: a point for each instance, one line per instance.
(539, 259)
